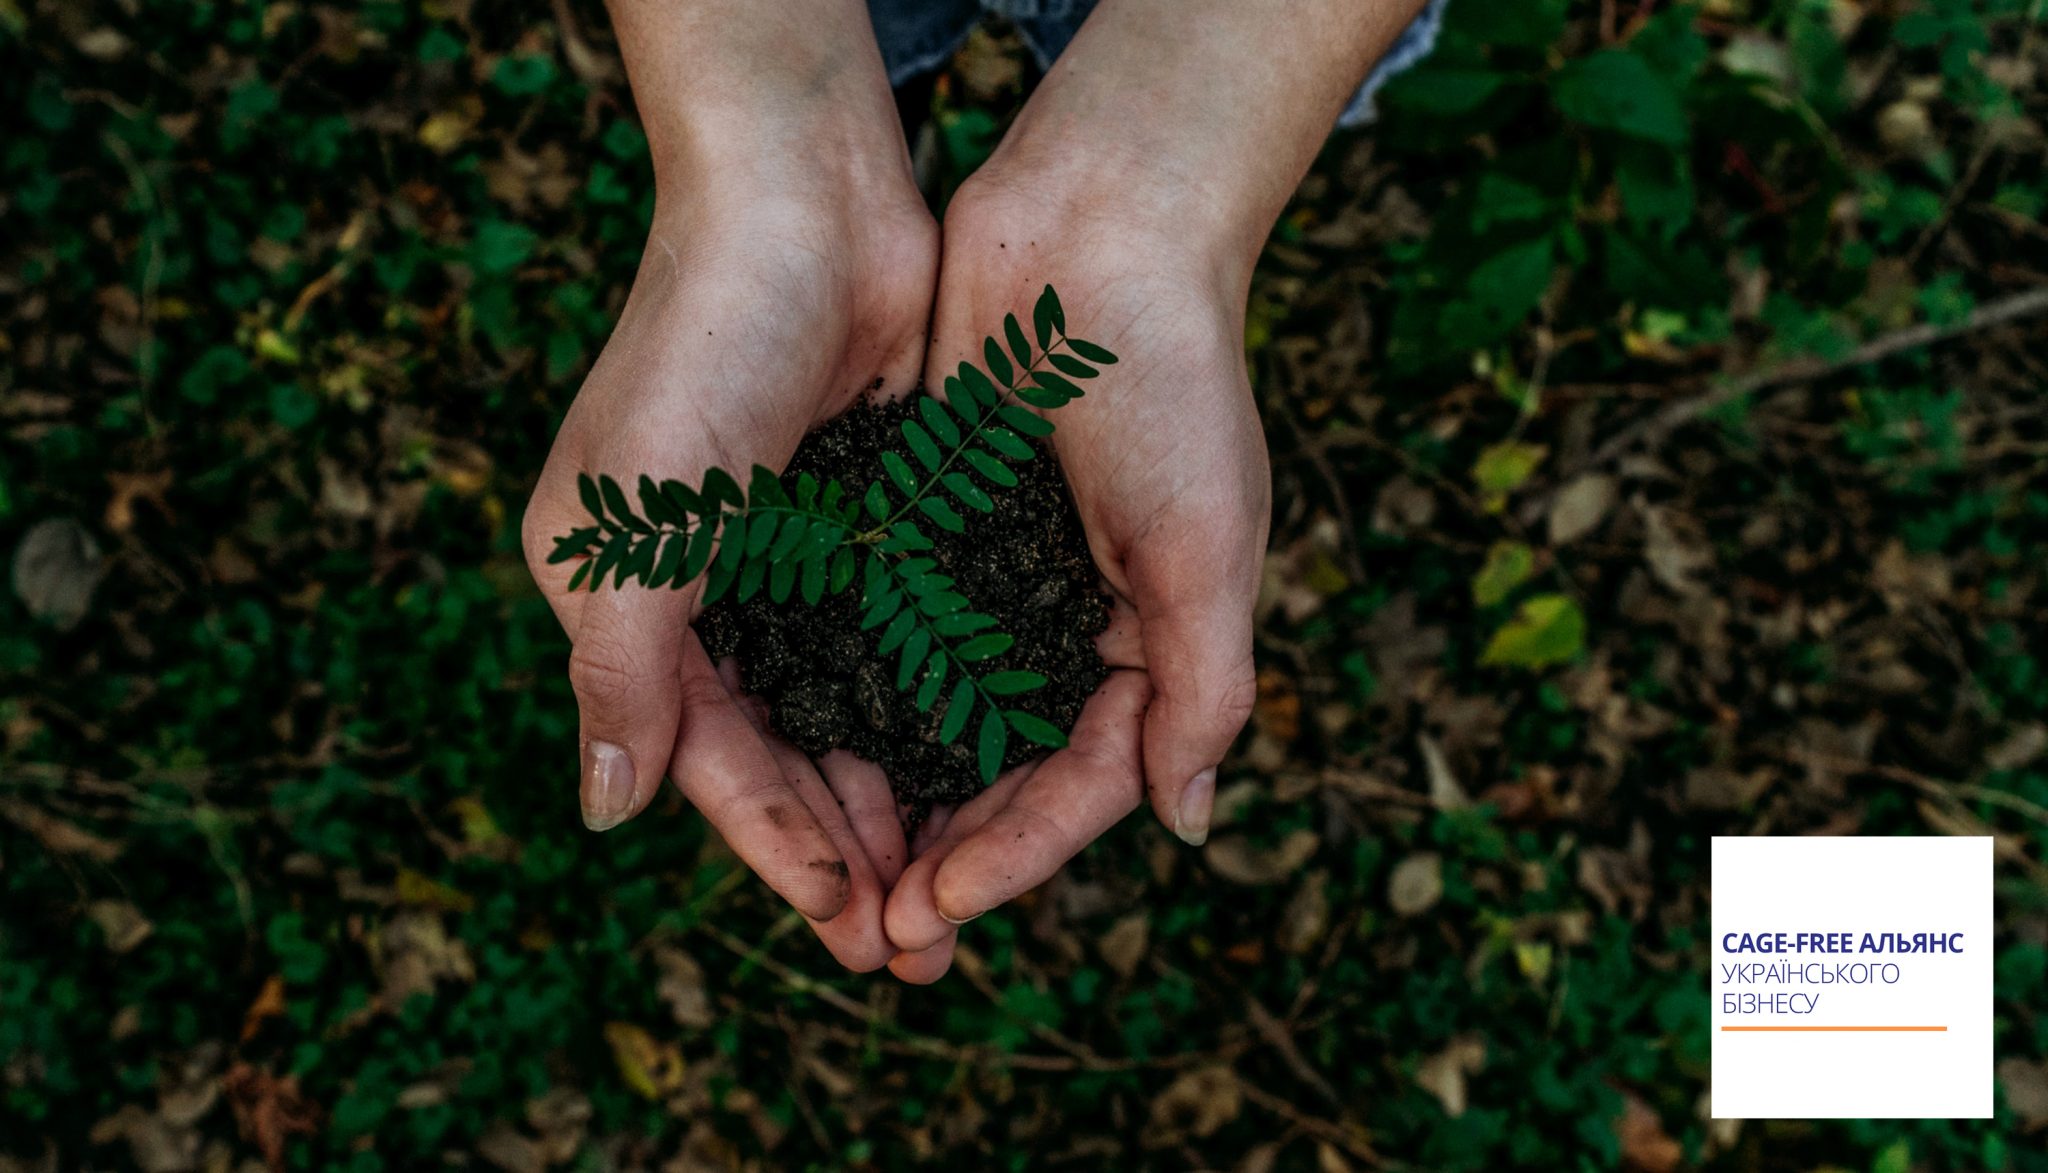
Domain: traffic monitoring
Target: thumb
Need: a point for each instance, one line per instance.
(626, 670)
(1194, 604)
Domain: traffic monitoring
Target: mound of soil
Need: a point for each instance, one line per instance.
(1026, 564)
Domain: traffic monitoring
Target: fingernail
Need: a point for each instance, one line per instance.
(607, 785)
(963, 920)
(1191, 821)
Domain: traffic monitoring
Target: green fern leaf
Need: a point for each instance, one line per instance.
(653, 504)
(615, 500)
(998, 363)
(959, 707)
(587, 489)
(1046, 316)
(983, 647)
(842, 571)
(939, 420)
(898, 631)
(1036, 729)
(996, 472)
(934, 679)
(899, 472)
(1093, 353)
(1008, 443)
(914, 650)
(994, 739)
(961, 623)
(671, 560)
(1052, 382)
(1024, 421)
(582, 572)
(969, 493)
(751, 578)
(1069, 365)
(922, 446)
(1011, 683)
(1014, 335)
(941, 513)
(720, 487)
(700, 549)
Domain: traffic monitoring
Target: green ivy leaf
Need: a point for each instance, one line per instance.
(1616, 89)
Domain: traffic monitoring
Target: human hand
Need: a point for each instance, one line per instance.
(1167, 464)
(789, 270)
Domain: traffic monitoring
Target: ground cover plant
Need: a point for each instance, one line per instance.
(1578, 560)
(811, 537)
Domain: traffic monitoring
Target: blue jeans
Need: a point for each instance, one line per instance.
(918, 35)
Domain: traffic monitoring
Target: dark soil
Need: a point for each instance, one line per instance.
(1026, 564)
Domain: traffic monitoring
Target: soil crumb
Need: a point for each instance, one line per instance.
(1026, 564)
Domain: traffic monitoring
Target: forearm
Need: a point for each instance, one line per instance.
(788, 94)
(1205, 111)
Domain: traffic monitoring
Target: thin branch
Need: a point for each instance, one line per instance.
(1653, 430)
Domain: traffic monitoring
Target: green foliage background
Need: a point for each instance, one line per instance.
(292, 295)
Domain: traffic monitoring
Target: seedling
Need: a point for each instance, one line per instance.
(813, 539)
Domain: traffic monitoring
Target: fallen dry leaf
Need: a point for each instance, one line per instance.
(269, 1109)
(1416, 884)
(1236, 859)
(57, 567)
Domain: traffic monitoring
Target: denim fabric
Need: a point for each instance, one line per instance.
(917, 36)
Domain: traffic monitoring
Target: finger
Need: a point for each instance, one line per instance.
(625, 666)
(855, 936)
(1017, 833)
(1075, 795)
(725, 769)
(869, 807)
(924, 968)
(912, 918)
(1195, 613)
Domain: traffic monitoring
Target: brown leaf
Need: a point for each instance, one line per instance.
(269, 1110)
(122, 923)
(2025, 1086)
(1580, 507)
(1443, 1074)
(1236, 859)
(60, 837)
(682, 987)
(1676, 549)
(1197, 1104)
(269, 1004)
(1644, 1144)
(1123, 946)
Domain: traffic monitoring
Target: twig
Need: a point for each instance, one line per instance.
(1335, 1134)
(1654, 429)
(801, 982)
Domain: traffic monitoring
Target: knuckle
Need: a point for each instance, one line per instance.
(601, 675)
(1235, 700)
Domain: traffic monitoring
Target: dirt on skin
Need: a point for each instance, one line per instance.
(826, 687)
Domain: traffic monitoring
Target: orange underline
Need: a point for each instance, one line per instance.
(1830, 1028)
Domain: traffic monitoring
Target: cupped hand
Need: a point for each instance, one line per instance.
(750, 321)
(1168, 467)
